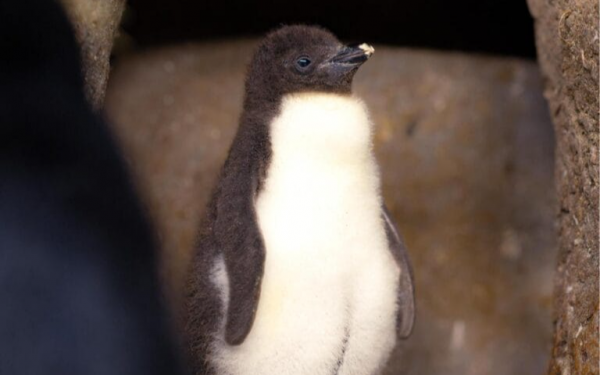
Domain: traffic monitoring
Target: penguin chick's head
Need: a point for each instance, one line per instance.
(303, 58)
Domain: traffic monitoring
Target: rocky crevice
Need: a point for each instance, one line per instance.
(567, 42)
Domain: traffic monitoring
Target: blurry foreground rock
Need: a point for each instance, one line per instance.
(95, 23)
(466, 149)
(567, 41)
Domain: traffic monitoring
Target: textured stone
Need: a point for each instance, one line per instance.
(567, 42)
(466, 149)
(96, 23)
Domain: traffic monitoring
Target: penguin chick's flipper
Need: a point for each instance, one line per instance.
(243, 250)
(406, 290)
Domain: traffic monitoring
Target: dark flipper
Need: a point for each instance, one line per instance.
(406, 291)
(245, 276)
(238, 237)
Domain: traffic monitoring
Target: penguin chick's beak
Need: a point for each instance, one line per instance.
(353, 55)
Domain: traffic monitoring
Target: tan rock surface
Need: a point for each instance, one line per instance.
(568, 42)
(96, 23)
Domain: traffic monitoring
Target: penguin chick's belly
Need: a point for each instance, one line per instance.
(328, 296)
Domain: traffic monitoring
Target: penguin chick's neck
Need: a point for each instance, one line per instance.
(324, 127)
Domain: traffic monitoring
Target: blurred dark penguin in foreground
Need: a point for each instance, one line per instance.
(299, 267)
(78, 280)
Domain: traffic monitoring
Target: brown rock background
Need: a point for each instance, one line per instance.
(567, 43)
(466, 149)
(96, 23)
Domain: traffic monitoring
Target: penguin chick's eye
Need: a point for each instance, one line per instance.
(303, 62)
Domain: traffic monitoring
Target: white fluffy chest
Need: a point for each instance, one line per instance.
(328, 297)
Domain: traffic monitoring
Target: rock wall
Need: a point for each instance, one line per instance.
(567, 43)
(96, 23)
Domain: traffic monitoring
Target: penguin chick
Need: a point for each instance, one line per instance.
(299, 268)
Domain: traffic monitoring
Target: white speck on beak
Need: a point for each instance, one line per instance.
(369, 50)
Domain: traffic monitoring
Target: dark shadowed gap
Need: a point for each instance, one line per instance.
(502, 27)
